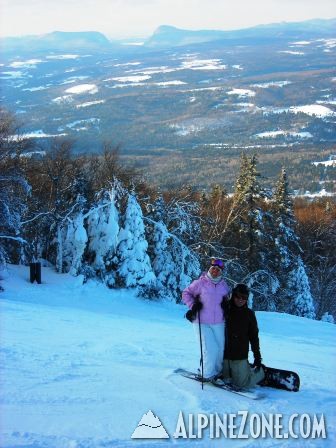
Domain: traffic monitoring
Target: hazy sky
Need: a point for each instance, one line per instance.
(127, 18)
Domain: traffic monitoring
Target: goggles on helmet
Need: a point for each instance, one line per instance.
(217, 262)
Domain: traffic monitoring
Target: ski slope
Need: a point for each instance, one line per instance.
(81, 364)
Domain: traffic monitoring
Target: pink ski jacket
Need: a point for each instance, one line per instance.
(211, 296)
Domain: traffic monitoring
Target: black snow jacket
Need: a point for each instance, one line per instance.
(241, 330)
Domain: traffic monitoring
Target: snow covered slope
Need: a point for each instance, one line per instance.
(81, 365)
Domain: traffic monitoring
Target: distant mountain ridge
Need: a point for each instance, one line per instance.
(165, 36)
(58, 41)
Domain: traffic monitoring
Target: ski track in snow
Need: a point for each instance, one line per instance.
(80, 365)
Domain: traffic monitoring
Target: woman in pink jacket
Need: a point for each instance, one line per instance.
(205, 298)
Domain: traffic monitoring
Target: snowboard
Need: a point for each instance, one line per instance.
(280, 379)
(221, 385)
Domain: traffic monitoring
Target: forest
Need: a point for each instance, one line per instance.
(91, 215)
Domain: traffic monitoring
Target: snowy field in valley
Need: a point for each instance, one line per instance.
(81, 364)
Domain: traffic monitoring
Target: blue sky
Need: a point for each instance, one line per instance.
(128, 18)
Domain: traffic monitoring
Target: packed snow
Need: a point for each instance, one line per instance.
(128, 79)
(154, 70)
(31, 63)
(313, 109)
(330, 162)
(83, 125)
(241, 93)
(320, 194)
(203, 64)
(309, 109)
(331, 101)
(137, 44)
(83, 88)
(274, 134)
(63, 56)
(34, 134)
(302, 42)
(35, 89)
(175, 82)
(64, 99)
(126, 64)
(73, 79)
(266, 85)
(329, 43)
(90, 103)
(82, 365)
(127, 84)
(296, 53)
(12, 75)
(200, 89)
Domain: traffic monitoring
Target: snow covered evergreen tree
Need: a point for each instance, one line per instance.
(14, 188)
(285, 248)
(163, 263)
(174, 265)
(182, 218)
(249, 223)
(286, 240)
(103, 229)
(158, 211)
(74, 244)
(299, 292)
(214, 215)
(134, 264)
(248, 234)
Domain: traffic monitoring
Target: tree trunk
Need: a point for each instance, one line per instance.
(59, 250)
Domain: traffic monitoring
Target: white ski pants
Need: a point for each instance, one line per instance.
(213, 341)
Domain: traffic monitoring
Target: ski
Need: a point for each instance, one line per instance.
(221, 385)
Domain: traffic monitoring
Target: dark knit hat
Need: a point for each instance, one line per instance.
(240, 289)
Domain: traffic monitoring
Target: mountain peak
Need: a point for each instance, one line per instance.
(170, 36)
(58, 41)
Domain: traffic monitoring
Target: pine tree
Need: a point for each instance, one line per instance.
(299, 292)
(214, 210)
(75, 244)
(14, 188)
(134, 266)
(182, 218)
(163, 263)
(249, 222)
(103, 230)
(285, 248)
(286, 240)
(249, 236)
(174, 265)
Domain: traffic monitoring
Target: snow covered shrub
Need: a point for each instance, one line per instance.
(328, 318)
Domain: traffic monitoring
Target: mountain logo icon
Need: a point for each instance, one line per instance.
(150, 427)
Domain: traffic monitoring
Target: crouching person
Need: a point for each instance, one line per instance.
(241, 331)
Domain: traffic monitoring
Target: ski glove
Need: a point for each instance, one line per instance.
(257, 362)
(191, 314)
(197, 306)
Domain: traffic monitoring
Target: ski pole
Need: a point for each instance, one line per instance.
(201, 347)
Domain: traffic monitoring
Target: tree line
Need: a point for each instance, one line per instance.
(89, 215)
